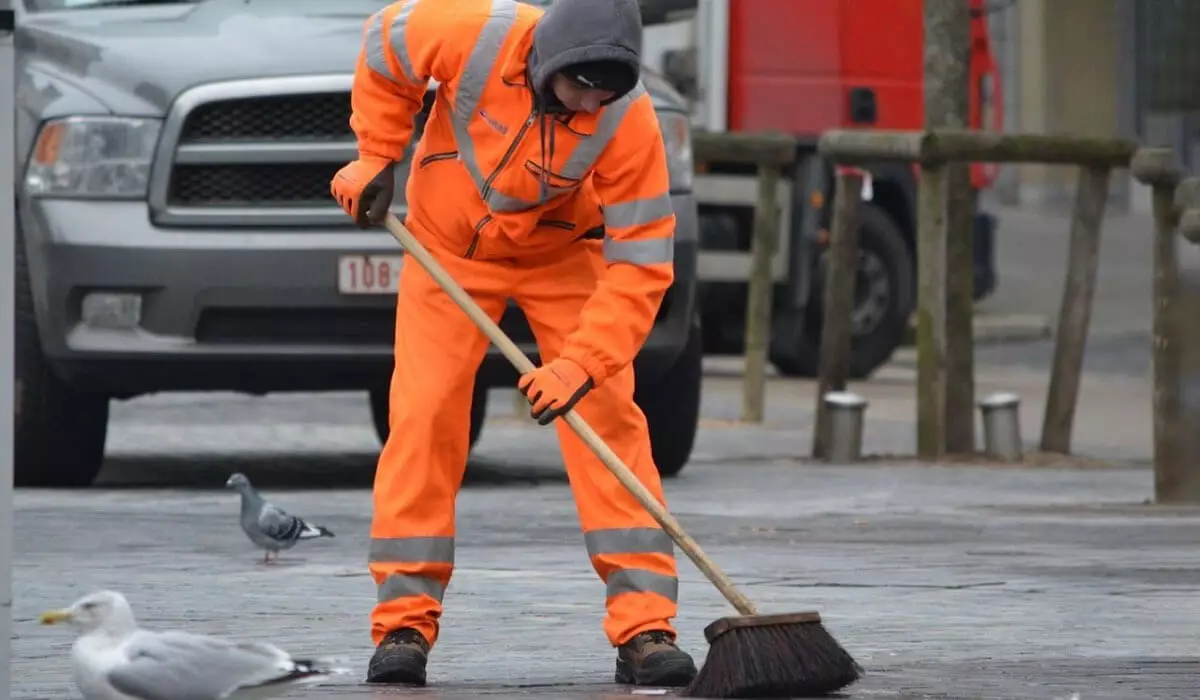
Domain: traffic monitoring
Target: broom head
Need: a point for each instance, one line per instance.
(772, 656)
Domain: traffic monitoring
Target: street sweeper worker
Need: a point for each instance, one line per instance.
(541, 176)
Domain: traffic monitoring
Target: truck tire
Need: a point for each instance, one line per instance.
(59, 432)
(379, 413)
(886, 273)
(671, 404)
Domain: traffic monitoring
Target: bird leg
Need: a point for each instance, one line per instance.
(267, 556)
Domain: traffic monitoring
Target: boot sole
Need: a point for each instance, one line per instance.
(396, 675)
(670, 674)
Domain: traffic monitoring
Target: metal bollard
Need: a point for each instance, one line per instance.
(845, 425)
(1001, 426)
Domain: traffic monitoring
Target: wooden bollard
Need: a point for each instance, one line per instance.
(1187, 201)
(837, 321)
(758, 293)
(1176, 472)
(931, 313)
(772, 154)
(1075, 311)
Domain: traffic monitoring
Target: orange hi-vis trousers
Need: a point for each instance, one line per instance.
(438, 351)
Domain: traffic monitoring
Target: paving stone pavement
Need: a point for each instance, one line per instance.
(943, 582)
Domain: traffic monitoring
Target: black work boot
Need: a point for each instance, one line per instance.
(399, 658)
(651, 658)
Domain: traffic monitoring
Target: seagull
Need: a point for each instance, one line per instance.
(114, 659)
(268, 525)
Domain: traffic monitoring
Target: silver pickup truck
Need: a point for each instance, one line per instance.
(176, 231)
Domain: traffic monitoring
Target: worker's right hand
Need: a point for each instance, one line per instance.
(364, 188)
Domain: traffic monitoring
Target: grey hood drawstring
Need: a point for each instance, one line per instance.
(574, 32)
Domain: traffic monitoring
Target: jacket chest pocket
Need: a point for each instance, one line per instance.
(544, 167)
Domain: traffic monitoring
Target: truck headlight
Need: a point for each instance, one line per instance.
(92, 157)
(677, 135)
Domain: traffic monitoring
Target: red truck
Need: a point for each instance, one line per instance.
(803, 67)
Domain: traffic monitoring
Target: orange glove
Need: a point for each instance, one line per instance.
(554, 389)
(364, 188)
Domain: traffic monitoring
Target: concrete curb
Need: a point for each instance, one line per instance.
(995, 329)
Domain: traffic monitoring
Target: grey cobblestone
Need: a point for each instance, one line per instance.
(944, 583)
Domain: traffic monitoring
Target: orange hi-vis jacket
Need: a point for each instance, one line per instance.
(497, 177)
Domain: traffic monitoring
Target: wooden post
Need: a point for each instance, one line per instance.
(771, 153)
(931, 314)
(947, 25)
(1187, 201)
(945, 385)
(758, 294)
(1075, 313)
(944, 145)
(837, 314)
(1175, 466)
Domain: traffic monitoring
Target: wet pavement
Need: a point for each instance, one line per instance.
(943, 582)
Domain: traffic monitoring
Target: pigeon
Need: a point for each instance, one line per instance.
(268, 525)
(114, 659)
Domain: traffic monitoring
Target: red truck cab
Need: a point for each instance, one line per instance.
(803, 67)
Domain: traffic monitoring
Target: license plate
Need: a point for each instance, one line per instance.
(369, 274)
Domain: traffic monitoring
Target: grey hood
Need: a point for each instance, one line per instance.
(575, 31)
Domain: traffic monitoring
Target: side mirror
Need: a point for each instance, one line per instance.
(659, 11)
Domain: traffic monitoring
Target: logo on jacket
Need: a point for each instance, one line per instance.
(498, 126)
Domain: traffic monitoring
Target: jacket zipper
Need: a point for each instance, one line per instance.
(487, 184)
(475, 239)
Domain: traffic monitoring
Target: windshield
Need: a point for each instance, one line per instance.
(55, 5)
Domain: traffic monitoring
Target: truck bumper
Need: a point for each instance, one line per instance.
(254, 310)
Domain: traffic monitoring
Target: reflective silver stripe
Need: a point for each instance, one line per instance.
(473, 81)
(631, 540)
(637, 212)
(405, 585)
(474, 78)
(589, 149)
(500, 202)
(437, 550)
(399, 40)
(373, 46)
(648, 251)
(581, 160)
(642, 581)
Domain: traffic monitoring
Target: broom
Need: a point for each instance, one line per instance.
(750, 655)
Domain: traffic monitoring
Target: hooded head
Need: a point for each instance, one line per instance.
(596, 44)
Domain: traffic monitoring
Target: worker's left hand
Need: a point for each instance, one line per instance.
(364, 189)
(554, 389)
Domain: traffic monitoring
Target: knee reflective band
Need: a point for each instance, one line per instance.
(625, 544)
(411, 553)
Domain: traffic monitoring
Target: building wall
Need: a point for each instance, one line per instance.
(1084, 67)
(1066, 72)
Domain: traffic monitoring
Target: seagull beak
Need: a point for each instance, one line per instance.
(53, 617)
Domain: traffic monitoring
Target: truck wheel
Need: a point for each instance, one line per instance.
(671, 404)
(883, 300)
(60, 432)
(379, 413)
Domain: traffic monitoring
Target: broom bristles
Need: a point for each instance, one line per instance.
(774, 661)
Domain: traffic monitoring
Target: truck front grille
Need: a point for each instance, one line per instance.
(270, 184)
(318, 117)
(258, 153)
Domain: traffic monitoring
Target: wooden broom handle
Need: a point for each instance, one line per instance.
(597, 445)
